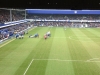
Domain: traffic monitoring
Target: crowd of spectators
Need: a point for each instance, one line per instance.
(18, 15)
(12, 30)
(15, 15)
(4, 16)
(63, 17)
(68, 24)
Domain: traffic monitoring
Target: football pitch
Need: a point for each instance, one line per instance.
(74, 51)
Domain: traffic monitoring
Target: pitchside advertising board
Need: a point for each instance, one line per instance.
(65, 20)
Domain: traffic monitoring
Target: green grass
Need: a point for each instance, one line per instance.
(74, 51)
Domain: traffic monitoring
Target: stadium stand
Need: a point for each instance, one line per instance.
(11, 30)
(15, 15)
(11, 16)
(40, 19)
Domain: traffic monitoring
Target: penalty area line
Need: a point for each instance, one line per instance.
(28, 67)
(68, 60)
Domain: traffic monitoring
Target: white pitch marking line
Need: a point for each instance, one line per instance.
(69, 37)
(28, 67)
(92, 59)
(67, 60)
(45, 59)
(70, 60)
(58, 60)
(10, 41)
(6, 43)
